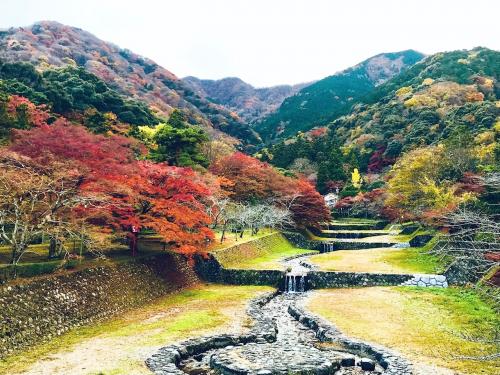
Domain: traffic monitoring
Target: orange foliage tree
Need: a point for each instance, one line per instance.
(254, 181)
(138, 194)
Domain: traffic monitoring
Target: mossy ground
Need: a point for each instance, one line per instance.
(421, 323)
(120, 345)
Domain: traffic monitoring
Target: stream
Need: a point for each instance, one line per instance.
(293, 347)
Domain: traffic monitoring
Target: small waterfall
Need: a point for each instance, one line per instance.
(302, 286)
(328, 247)
(295, 283)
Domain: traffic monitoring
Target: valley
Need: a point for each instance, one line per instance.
(152, 224)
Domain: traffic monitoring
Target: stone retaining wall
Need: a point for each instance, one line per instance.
(41, 309)
(420, 240)
(209, 269)
(324, 279)
(299, 240)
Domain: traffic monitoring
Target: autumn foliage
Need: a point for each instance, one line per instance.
(255, 180)
(137, 194)
(122, 194)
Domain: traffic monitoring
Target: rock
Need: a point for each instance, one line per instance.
(367, 364)
(348, 362)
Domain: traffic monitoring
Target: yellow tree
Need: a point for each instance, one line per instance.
(417, 185)
(356, 178)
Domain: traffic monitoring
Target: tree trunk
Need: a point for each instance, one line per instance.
(223, 236)
(133, 243)
(55, 247)
(14, 254)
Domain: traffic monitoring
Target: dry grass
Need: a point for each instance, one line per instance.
(234, 239)
(260, 256)
(120, 345)
(379, 260)
(420, 323)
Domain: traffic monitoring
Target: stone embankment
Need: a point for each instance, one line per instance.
(42, 309)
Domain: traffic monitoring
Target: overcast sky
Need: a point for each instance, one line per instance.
(268, 42)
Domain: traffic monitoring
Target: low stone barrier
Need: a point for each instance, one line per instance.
(209, 269)
(333, 279)
(41, 309)
(427, 281)
(420, 240)
(392, 362)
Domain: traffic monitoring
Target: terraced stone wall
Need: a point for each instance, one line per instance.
(209, 269)
(320, 279)
(41, 309)
(250, 249)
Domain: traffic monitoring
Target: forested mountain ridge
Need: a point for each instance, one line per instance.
(49, 44)
(333, 96)
(443, 113)
(248, 102)
(427, 103)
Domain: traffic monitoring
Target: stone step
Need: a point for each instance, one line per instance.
(353, 234)
(346, 225)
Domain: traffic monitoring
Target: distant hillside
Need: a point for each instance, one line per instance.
(323, 101)
(429, 100)
(451, 95)
(48, 44)
(248, 102)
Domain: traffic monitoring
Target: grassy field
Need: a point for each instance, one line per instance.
(423, 324)
(271, 260)
(380, 260)
(120, 345)
(260, 256)
(232, 239)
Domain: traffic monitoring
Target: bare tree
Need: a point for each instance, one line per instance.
(473, 242)
(34, 200)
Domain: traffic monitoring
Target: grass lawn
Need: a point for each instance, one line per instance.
(381, 238)
(120, 345)
(271, 260)
(379, 260)
(354, 220)
(232, 239)
(367, 231)
(263, 257)
(421, 323)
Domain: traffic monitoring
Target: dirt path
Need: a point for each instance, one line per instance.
(122, 345)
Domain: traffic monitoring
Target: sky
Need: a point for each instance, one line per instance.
(269, 42)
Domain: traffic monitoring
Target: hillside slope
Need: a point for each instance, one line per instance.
(333, 96)
(248, 102)
(451, 95)
(47, 44)
(427, 102)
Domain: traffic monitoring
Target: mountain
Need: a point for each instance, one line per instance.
(446, 97)
(333, 96)
(248, 102)
(427, 102)
(49, 44)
